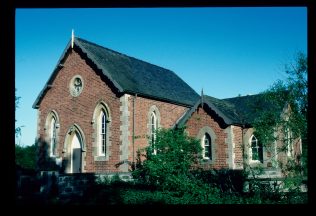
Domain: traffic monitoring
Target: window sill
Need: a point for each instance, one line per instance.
(206, 161)
(255, 162)
(54, 156)
(100, 158)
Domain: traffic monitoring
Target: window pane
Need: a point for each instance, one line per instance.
(255, 154)
(102, 133)
(153, 128)
(256, 148)
(152, 119)
(206, 152)
(253, 141)
(206, 141)
(207, 146)
(53, 136)
(210, 152)
(103, 143)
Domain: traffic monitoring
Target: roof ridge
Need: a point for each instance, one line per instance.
(243, 96)
(122, 54)
(222, 100)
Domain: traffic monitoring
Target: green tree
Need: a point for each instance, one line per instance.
(17, 129)
(168, 168)
(25, 156)
(290, 96)
(169, 159)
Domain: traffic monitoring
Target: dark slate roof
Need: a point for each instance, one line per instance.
(240, 110)
(248, 106)
(131, 75)
(227, 110)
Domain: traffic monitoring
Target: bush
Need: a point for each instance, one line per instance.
(25, 157)
(167, 167)
(225, 179)
(175, 154)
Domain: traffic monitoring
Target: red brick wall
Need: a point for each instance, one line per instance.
(169, 114)
(80, 109)
(200, 119)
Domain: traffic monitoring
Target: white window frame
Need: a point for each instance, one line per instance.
(153, 128)
(209, 147)
(96, 122)
(102, 132)
(53, 136)
(250, 150)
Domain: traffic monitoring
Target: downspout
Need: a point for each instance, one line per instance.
(133, 139)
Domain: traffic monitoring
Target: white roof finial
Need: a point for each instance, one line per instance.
(202, 98)
(72, 39)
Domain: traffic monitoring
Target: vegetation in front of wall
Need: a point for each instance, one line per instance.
(160, 183)
(291, 96)
(119, 192)
(43, 161)
(25, 156)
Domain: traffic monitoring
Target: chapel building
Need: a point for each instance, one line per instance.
(99, 107)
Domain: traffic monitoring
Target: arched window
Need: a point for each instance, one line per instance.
(256, 151)
(102, 125)
(207, 146)
(153, 128)
(208, 138)
(51, 130)
(53, 139)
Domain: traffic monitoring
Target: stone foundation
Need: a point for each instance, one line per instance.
(75, 184)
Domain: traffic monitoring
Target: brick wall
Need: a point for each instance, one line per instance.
(79, 110)
(168, 113)
(199, 119)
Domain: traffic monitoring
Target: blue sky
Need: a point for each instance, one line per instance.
(225, 51)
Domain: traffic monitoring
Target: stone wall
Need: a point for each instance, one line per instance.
(64, 185)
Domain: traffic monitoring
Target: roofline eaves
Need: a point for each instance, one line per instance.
(182, 120)
(227, 120)
(159, 98)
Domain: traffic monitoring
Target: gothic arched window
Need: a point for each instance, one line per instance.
(256, 151)
(102, 126)
(207, 146)
(153, 128)
(52, 125)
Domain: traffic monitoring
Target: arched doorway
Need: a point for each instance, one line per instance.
(73, 149)
(76, 153)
